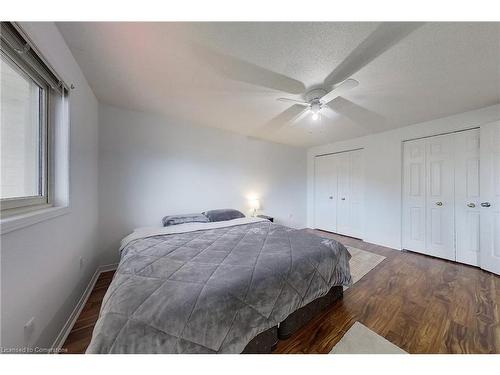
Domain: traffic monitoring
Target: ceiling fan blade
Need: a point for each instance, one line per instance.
(279, 121)
(243, 71)
(300, 116)
(358, 114)
(380, 40)
(338, 90)
(340, 123)
(305, 104)
(329, 113)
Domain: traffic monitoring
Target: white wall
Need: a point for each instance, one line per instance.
(150, 167)
(383, 171)
(40, 272)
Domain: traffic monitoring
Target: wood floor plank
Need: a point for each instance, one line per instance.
(422, 304)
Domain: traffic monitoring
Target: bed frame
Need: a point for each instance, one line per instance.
(267, 341)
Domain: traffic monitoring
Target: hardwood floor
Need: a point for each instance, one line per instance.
(420, 303)
(81, 333)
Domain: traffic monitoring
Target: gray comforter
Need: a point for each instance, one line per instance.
(213, 291)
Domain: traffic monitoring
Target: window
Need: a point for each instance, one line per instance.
(23, 129)
(32, 103)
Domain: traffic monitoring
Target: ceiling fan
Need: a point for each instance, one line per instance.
(317, 99)
(321, 100)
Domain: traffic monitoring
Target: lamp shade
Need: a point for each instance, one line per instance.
(254, 204)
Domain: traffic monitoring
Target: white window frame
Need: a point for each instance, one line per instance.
(12, 206)
(56, 193)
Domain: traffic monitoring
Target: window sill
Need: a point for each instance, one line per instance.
(12, 223)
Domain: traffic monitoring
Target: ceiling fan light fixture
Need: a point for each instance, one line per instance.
(318, 98)
(315, 108)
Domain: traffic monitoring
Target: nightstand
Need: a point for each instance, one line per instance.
(270, 218)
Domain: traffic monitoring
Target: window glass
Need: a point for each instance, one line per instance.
(21, 133)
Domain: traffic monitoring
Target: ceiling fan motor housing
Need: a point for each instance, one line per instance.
(314, 94)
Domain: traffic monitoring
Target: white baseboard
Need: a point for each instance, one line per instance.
(68, 326)
(107, 268)
(384, 244)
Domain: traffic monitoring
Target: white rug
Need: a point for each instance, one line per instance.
(362, 262)
(359, 339)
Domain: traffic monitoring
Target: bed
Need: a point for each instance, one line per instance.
(220, 287)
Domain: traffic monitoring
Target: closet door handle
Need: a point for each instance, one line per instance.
(343, 199)
(471, 205)
(439, 203)
(330, 197)
(485, 204)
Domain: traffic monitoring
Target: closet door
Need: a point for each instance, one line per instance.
(344, 194)
(325, 193)
(414, 195)
(440, 233)
(350, 193)
(490, 197)
(467, 199)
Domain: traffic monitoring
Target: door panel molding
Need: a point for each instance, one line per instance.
(414, 195)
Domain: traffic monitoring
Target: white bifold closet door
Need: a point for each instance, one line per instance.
(490, 197)
(325, 192)
(428, 204)
(414, 195)
(351, 223)
(451, 196)
(338, 198)
(440, 197)
(467, 197)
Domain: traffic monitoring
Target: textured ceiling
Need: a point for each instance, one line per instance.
(229, 75)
